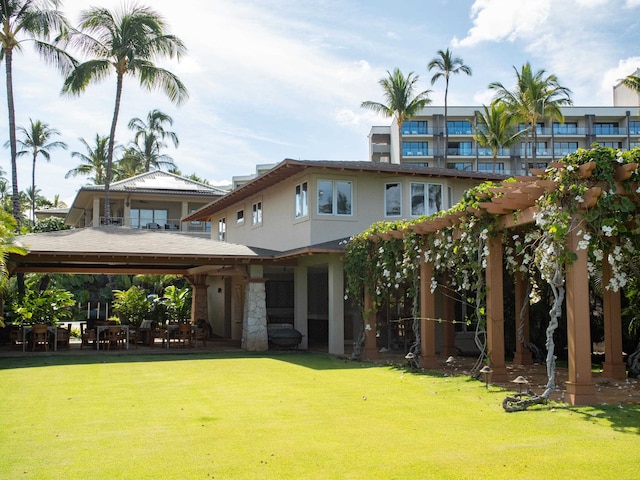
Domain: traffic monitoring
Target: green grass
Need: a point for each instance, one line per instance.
(297, 416)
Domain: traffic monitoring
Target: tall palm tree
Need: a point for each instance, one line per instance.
(401, 101)
(94, 162)
(147, 154)
(446, 65)
(496, 129)
(36, 21)
(36, 142)
(126, 42)
(149, 138)
(130, 165)
(536, 96)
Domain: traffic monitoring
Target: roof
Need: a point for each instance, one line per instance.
(111, 249)
(159, 182)
(288, 168)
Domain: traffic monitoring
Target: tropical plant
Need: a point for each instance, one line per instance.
(50, 224)
(446, 65)
(178, 302)
(495, 129)
(29, 20)
(132, 305)
(126, 42)
(149, 140)
(37, 141)
(536, 96)
(400, 98)
(49, 306)
(94, 162)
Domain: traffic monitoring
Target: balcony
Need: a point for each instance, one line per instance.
(169, 225)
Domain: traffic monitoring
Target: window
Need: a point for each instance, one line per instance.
(334, 197)
(541, 148)
(497, 167)
(414, 149)
(610, 144)
(606, 129)
(569, 128)
(147, 218)
(634, 127)
(458, 127)
(426, 198)
(222, 229)
(302, 201)
(414, 127)
(460, 166)
(256, 213)
(393, 199)
(240, 217)
(460, 148)
(564, 148)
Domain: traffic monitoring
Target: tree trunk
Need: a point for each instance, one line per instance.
(8, 56)
(112, 140)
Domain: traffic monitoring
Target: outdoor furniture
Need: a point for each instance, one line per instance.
(27, 331)
(39, 336)
(146, 332)
(200, 335)
(15, 336)
(104, 337)
(114, 337)
(184, 334)
(89, 336)
(63, 336)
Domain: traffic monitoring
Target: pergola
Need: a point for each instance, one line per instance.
(514, 204)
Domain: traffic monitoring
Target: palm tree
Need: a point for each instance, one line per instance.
(37, 142)
(632, 82)
(57, 202)
(536, 96)
(152, 133)
(130, 165)
(94, 162)
(496, 129)
(446, 65)
(148, 154)
(126, 42)
(28, 20)
(401, 102)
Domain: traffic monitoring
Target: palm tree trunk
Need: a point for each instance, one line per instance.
(33, 189)
(12, 135)
(112, 140)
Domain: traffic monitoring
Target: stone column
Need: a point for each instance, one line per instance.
(336, 307)
(613, 366)
(523, 354)
(254, 320)
(427, 317)
(199, 303)
(495, 311)
(301, 302)
(580, 387)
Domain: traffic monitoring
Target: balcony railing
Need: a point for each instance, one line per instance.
(169, 225)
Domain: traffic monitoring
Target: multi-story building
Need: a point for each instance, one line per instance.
(423, 139)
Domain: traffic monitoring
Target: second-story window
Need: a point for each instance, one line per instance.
(302, 201)
(426, 198)
(256, 213)
(222, 229)
(240, 217)
(334, 197)
(392, 199)
(459, 127)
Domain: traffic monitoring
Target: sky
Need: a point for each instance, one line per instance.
(276, 79)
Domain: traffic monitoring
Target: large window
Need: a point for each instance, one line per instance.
(497, 167)
(414, 127)
(569, 128)
(334, 197)
(634, 127)
(302, 201)
(426, 198)
(606, 128)
(256, 213)
(564, 148)
(610, 144)
(147, 218)
(414, 149)
(458, 127)
(393, 199)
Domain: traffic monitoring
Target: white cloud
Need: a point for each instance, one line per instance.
(496, 20)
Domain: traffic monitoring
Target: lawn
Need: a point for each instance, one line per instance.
(290, 415)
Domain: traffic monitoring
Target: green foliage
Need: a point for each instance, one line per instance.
(132, 306)
(51, 224)
(49, 306)
(178, 302)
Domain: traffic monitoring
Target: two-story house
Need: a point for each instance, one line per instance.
(305, 210)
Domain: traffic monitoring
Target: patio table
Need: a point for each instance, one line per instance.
(26, 328)
(102, 328)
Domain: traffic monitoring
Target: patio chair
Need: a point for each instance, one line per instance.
(15, 336)
(114, 336)
(201, 335)
(39, 336)
(63, 337)
(184, 334)
(88, 338)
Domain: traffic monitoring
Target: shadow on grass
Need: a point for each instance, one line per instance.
(314, 361)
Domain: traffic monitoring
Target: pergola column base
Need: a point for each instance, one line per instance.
(581, 393)
(428, 362)
(614, 370)
(523, 358)
(371, 354)
(499, 374)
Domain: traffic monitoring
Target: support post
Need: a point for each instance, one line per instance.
(427, 314)
(580, 387)
(523, 354)
(613, 366)
(370, 344)
(495, 311)
(301, 305)
(448, 347)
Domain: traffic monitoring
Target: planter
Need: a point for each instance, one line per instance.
(284, 337)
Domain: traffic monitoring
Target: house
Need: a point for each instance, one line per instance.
(304, 211)
(152, 200)
(423, 137)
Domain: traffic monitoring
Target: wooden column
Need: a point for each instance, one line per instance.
(370, 344)
(495, 311)
(448, 329)
(427, 314)
(613, 366)
(580, 387)
(523, 354)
